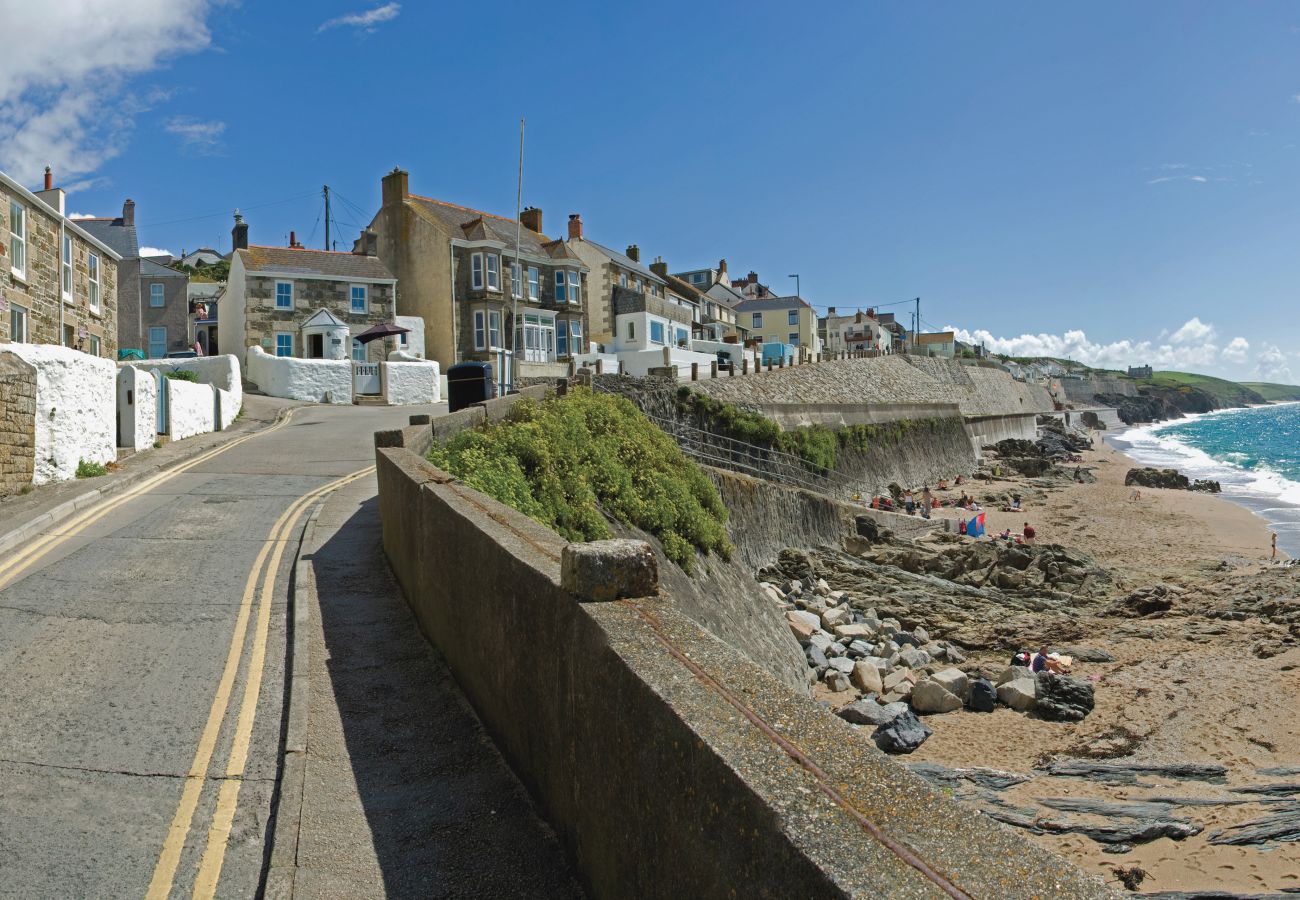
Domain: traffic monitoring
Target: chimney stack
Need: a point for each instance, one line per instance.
(753, 278)
(293, 240)
(128, 213)
(575, 227)
(722, 271)
(49, 179)
(634, 253)
(395, 186)
(659, 267)
(239, 234)
(531, 218)
(52, 195)
(367, 244)
(830, 311)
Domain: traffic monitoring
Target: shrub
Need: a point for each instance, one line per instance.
(568, 462)
(182, 375)
(87, 469)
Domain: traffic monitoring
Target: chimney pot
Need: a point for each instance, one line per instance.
(239, 234)
(293, 239)
(575, 227)
(634, 252)
(395, 186)
(531, 218)
(128, 213)
(49, 178)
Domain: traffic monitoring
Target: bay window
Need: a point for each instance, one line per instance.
(476, 271)
(575, 291)
(480, 333)
(494, 328)
(656, 332)
(534, 283)
(493, 272)
(516, 282)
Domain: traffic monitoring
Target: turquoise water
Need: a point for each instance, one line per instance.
(1253, 453)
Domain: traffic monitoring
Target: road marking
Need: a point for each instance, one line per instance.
(174, 843)
(23, 560)
(205, 883)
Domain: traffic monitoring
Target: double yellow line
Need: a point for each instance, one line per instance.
(205, 884)
(23, 560)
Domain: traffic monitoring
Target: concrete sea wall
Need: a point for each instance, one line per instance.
(668, 763)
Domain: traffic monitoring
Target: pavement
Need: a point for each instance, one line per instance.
(143, 644)
(403, 794)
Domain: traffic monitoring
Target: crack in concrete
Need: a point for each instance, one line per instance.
(94, 771)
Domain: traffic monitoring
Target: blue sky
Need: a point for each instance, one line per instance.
(1114, 181)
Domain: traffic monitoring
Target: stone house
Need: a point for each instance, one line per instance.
(785, 320)
(295, 302)
(456, 268)
(718, 299)
(858, 331)
(609, 270)
(936, 343)
(58, 281)
(152, 312)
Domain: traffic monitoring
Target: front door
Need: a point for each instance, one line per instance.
(315, 346)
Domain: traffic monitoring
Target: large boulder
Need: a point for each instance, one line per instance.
(836, 615)
(902, 735)
(983, 695)
(954, 681)
(1062, 698)
(866, 678)
(869, 712)
(1156, 478)
(1019, 693)
(837, 681)
(931, 697)
(842, 664)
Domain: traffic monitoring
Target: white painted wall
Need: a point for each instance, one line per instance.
(219, 371)
(190, 408)
(414, 338)
(313, 380)
(405, 383)
(231, 315)
(735, 352)
(137, 408)
(76, 409)
(228, 406)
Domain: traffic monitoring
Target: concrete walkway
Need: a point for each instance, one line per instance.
(403, 794)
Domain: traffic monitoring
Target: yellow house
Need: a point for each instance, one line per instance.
(786, 320)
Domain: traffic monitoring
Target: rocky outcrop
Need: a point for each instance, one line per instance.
(1168, 478)
(1061, 698)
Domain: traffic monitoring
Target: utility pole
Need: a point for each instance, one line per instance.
(327, 217)
(517, 289)
(916, 332)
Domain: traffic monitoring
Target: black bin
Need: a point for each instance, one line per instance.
(469, 383)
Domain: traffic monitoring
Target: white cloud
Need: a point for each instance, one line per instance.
(367, 20)
(1271, 365)
(82, 216)
(203, 137)
(1237, 351)
(63, 95)
(1193, 331)
(155, 251)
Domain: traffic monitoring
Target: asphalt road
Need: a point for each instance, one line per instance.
(142, 670)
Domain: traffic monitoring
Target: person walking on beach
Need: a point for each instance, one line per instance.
(1274, 540)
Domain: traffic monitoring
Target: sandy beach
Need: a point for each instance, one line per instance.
(1185, 686)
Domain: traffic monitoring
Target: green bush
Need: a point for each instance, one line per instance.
(87, 469)
(568, 462)
(182, 375)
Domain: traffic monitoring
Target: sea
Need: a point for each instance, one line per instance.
(1253, 453)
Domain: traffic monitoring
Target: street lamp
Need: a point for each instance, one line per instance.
(797, 292)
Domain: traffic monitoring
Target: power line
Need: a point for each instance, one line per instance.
(240, 206)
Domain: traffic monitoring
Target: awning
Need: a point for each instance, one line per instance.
(382, 330)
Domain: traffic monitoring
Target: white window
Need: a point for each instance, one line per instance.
(67, 268)
(493, 272)
(697, 278)
(494, 328)
(358, 351)
(93, 261)
(284, 300)
(516, 282)
(17, 324)
(283, 344)
(575, 290)
(656, 332)
(156, 295)
(575, 335)
(359, 304)
(158, 342)
(480, 337)
(622, 279)
(559, 286)
(534, 283)
(640, 287)
(18, 239)
(758, 320)
(793, 317)
(476, 271)
(94, 345)
(562, 339)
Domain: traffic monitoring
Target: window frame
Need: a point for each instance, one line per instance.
(622, 279)
(19, 313)
(561, 286)
(575, 336)
(494, 329)
(494, 272)
(575, 287)
(480, 329)
(290, 342)
(516, 280)
(95, 345)
(534, 283)
(792, 317)
(289, 285)
(65, 268)
(160, 293)
(359, 348)
(152, 342)
(93, 298)
(561, 338)
(476, 271)
(656, 325)
(631, 331)
(793, 338)
(18, 238)
(756, 320)
(352, 299)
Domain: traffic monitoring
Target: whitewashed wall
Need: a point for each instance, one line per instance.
(228, 406)
(137, 408)
(219, 371)
(410, 382)
(313, 380)
(190, 408)
(415, 337)
(76, 409)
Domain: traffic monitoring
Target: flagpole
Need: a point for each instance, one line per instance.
(516, 274)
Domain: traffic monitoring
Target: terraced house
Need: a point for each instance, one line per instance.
(456, 270)
(786, 320)
(58, 282)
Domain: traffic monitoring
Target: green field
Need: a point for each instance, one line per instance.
(1274, 392)
(1227, 393)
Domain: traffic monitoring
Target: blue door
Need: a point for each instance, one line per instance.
(161, 384)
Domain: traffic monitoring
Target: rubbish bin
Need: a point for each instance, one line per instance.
(469, 383)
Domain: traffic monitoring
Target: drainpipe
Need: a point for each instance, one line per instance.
(63, 236)
(455, 310)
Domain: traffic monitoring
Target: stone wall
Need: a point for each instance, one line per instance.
(17, 423)
(262, 320)
(1085, 390)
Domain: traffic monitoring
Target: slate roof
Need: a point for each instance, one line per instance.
(764, 304)
(119, 238)
(151, 269)
(684, 288)
(626, 261)
(318, 263)
(474, 225)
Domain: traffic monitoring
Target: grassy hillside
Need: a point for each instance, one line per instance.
(1225, 393)
(1273, 392)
